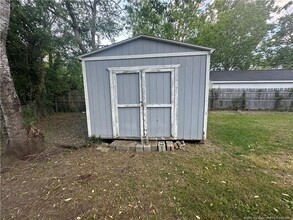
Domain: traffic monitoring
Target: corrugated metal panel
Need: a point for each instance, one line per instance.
(191, 85)
(143, 46)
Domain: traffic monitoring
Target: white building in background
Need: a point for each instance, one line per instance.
(252, 79)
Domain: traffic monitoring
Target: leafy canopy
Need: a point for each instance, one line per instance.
(234, 28)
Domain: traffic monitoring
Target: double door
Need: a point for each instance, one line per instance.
(144, 101)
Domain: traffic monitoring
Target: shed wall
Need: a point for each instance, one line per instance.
(191, 89)
(143, 46)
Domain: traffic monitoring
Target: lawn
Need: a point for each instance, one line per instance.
(243, 171)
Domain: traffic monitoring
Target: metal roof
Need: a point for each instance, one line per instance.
(251, 75)
(179, 43)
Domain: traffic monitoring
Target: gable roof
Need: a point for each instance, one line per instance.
(158, 39)
(252, 75)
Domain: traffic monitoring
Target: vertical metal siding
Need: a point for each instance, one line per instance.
(132, 117)
(99, 99)
(201, 94)
(191, 85)
(128, 88)
(158, 88)
(159, 122)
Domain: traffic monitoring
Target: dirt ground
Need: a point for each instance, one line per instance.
(84, 183)
(89, 184)
(65, 129)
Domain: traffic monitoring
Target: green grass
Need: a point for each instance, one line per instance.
(227, 188)
(228, 184)
(258, 132)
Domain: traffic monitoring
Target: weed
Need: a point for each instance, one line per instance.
(94, 140)
(30, 115)
(278, 99)
(239, 103)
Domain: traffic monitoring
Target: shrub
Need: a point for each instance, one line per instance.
(291, 97)
(278, 99)
(239, 103)
(215, 93)
(30, 115)
(94, 140)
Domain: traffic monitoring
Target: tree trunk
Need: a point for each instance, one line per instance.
(75, 27)
(16, 140)
(93, 25)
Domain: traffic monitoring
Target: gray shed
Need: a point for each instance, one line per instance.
(147, 88)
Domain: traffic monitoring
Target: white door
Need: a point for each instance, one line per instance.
(144, 101)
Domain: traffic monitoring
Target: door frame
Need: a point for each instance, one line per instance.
(142, 70)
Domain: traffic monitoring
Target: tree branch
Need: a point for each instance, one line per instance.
(75, 26)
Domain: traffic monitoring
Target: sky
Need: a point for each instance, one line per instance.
(275, 16)
(281, 3)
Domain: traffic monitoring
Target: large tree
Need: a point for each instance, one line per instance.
(44, 40)
(233, 27)
(86, 23)
(15, 135)
(176, 19)
(29, 41)
(276, 50)
(39, 60)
